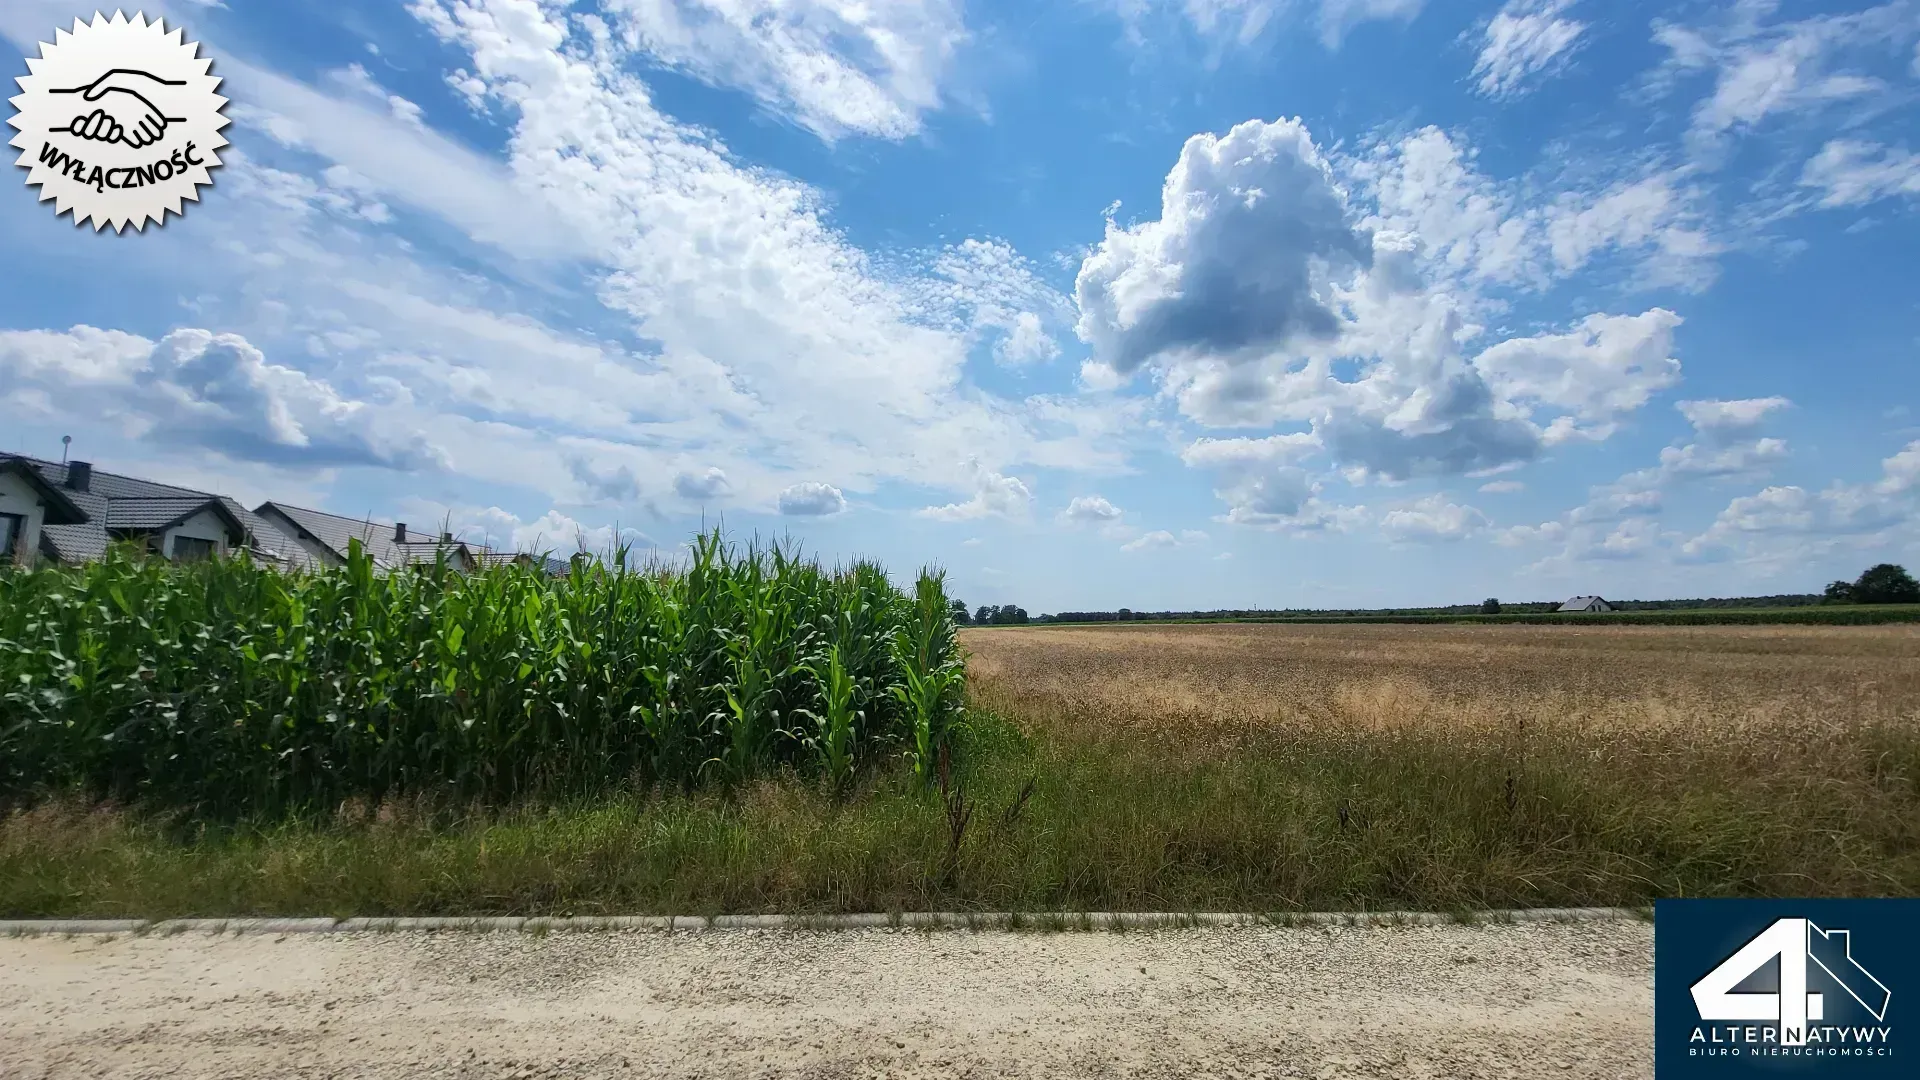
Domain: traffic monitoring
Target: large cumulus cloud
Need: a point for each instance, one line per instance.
(213, 391)
(1265, 295)
(1251, 232)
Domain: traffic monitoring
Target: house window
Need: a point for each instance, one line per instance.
(13, 530)
(191, 549)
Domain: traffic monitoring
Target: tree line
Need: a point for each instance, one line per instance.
(991, 615)
(1886, 583)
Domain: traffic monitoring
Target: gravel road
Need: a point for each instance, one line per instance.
(1505, 1001)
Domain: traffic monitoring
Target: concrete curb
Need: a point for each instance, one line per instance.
(1002, 920)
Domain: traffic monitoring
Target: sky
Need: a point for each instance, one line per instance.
(1164, 304)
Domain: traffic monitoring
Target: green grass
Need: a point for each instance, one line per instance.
(1354, 820)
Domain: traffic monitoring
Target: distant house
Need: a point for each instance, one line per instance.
(1586, 603)
(326, 537)
(71, 512)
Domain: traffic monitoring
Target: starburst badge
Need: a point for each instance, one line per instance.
(118, 122)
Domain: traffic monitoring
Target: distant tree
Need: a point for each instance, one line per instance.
(984, 616)
(1840, 592)
(960, 616)
(1490, 606)
(1886, 584)
(1125, 614)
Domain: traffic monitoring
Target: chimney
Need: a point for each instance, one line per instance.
(446, 538)
(400, 533)
(80, 475)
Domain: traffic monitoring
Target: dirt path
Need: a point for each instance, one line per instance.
(1509, 1001)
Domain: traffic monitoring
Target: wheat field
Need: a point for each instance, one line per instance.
(1480, 765)
(1207, 683)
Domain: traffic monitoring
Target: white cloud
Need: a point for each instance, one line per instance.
(1251, 231)
(1650, 215)
(1337, 17)
(701, 485)
(1502, 487)
(1728, 419)
(984, 288)
(1615, 521)
(1242, 22)
(1764, 69)
(1162, 540)
(1471, 230)
(1433, 518)
(354, 79)
(812, 499)
(1153, 541)
(1727, 443)
(767, 337)
(1526, 38)
(1609, 365)
(1026, 342)
(1849, 172)
(1090, 510)
(212, 391)
(836, 66)
(994, 496)
(1256, 281)
(1788, 522)
(1252, 282)
(1263, 488)
(554, 533)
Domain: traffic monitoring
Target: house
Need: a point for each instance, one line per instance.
(69, 512)
(1586, 603)
(325, 538)
(28, 504)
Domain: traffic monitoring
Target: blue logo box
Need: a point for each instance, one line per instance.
(1786, 988)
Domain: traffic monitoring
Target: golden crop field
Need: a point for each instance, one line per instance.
(1503, 764)
(1715, 680)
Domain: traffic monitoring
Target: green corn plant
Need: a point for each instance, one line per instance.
(235, 688)
(932, 673)
(834, 722)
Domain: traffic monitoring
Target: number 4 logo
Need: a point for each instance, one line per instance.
(1800, 946)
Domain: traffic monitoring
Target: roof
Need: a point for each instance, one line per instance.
(274, 531)
(553, 567)
(61, 510)
(116, 503)
(269, 543)
(1582, 603)
(156, 515)
(334, 532)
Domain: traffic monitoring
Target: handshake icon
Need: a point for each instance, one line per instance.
(123, 108)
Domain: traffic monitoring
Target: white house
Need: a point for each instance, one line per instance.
(82, 510)
(1586, 603)
(27, 505)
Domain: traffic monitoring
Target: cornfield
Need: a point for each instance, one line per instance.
(235, 688)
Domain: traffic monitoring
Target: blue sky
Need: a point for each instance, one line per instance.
(1154, 303)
